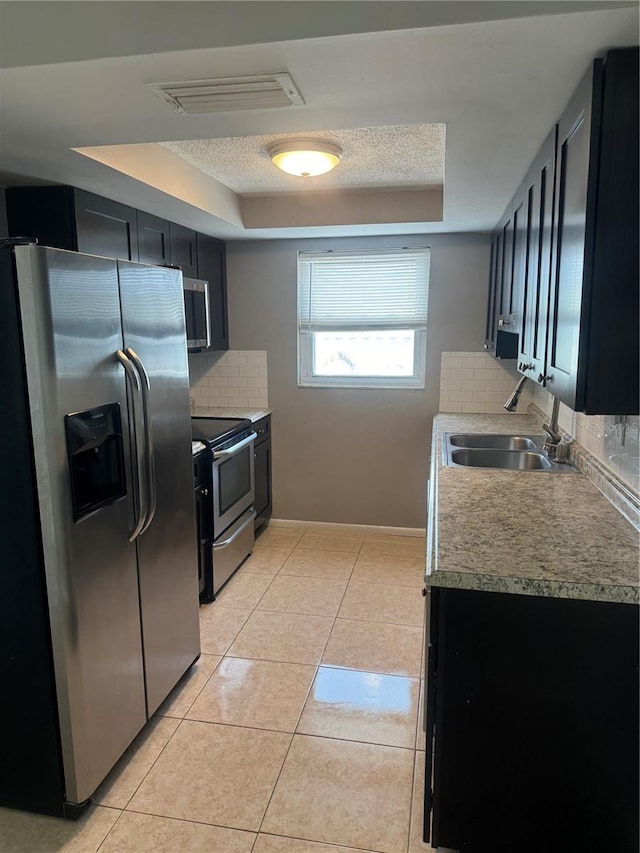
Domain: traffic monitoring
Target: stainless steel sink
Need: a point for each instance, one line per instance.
(498, 442)
(514, 460)
(506, 452)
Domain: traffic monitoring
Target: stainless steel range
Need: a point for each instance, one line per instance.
(231, 444)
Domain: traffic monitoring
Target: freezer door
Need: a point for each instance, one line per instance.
(155, 340)
(71, 328)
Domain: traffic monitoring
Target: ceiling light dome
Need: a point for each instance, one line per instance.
(305, 157)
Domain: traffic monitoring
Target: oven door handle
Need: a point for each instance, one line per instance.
(220, 455)
(251, 514)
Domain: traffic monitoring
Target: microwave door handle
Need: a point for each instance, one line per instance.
(148, 434)
(220, 455)
(140, 495)
(207, 314)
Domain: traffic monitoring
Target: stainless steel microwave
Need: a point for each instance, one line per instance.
(197, 313)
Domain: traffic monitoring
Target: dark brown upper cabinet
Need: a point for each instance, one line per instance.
(153, 240)
(499, 340)
(592, 351)
(493, 298)
(212, 268)
(539, 187)
(69, 218)
(183, 250)
(514, 292)
(564, 259)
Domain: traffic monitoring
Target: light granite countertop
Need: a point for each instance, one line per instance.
(219, 412)
(525, 532)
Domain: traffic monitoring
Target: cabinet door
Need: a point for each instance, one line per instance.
(203, 522)
(515, 296)
(539, 209)
(505, 273)
(45, 214)
(212, 268)
(574, 197)
(106, 227)
(183, 249)
(153, 240)
(506, 343)
(609, 380)
(431, 801)
(492, 316)
(263, 481)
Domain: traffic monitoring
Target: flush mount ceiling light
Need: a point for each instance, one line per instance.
(305, 157)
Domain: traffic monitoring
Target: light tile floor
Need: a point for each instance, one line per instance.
(298, 731)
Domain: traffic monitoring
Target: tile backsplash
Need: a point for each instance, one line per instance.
(615, 444)
(477, 382)
(237, 378)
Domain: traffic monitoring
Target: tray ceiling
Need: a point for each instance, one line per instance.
(373, 157)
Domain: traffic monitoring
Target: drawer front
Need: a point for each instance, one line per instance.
(232, 548)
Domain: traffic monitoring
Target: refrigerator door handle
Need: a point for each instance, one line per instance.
(139, 486)
(148, 432)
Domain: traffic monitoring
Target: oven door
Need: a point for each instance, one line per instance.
(233, 483)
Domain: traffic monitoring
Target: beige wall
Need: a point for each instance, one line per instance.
(352, 456)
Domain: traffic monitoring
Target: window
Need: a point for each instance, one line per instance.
(362, 318)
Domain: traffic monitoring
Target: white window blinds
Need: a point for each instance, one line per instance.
(360, 290)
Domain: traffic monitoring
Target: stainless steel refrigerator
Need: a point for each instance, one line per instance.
(98, 564)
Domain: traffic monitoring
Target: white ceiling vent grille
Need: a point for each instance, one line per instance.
(258, 92)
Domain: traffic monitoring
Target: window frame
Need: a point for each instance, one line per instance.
(305, 345)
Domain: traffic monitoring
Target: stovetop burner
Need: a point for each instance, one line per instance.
(216, 431)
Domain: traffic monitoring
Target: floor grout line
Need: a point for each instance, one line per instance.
(347, 580)
(305, 702)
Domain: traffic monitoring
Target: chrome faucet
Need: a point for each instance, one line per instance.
(553, 433)
(512, 400)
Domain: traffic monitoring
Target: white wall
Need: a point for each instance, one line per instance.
(233, 379)
(352, 455)
(478, 382)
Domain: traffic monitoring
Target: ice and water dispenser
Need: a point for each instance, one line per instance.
(96, 458)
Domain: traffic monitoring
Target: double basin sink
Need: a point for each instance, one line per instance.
(507, 452)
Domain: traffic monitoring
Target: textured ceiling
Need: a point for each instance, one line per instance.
(498, 86)
(405, 156)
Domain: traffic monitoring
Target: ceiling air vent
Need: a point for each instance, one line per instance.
(259, 92)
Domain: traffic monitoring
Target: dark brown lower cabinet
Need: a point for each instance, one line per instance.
(204, 517)
(262, 460)
(532, 724)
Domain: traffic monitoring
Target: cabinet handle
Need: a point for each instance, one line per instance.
(542, 378)
(504, 322)
(489, 346)
(204, 492)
